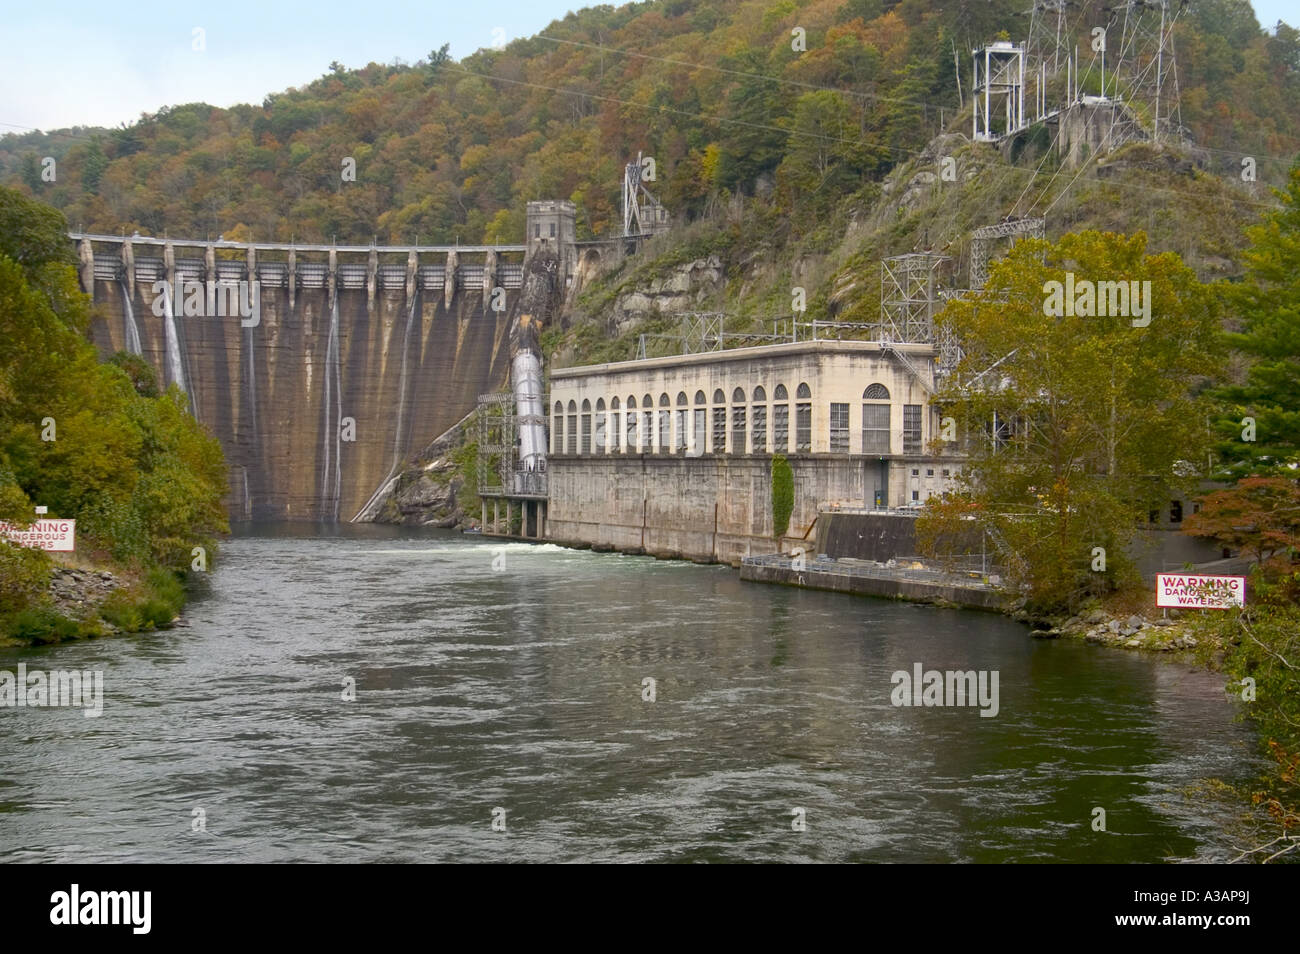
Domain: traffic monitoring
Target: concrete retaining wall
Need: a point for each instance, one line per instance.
(698, 508)
(867, 536)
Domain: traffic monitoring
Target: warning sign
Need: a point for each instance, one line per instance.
(1200, 592)
(43, 535)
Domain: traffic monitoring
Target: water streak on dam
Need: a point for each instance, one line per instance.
(352, 360)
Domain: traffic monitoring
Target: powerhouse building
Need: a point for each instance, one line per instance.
(674, 455)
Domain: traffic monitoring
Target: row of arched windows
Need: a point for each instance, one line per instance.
(739, 425)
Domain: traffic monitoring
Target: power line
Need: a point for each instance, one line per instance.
(907, 154)
(721, 69)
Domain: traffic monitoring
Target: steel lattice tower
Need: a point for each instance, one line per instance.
(1147, 68)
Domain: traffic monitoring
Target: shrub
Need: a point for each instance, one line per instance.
(41, 625)
(24, 575)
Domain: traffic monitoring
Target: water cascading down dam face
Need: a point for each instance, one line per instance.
(175, 367)
(318, 398)
(331, 474)
(402, 429)
(131, 330)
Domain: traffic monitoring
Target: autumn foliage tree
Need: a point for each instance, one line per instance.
(1260, 515)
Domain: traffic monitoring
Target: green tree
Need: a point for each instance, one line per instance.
(438, 59)
(91, 441)
(1268, 303)
(1076, 425)
(757, 110)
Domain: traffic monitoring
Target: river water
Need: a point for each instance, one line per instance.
(505, 683)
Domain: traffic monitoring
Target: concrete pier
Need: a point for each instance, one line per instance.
(918, 586)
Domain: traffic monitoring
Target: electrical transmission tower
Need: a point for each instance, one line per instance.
(1147, 67)
(642, 212)
(984, 239)
(998, 91)
(909, 295)
(1049, 43)
(1047, 51)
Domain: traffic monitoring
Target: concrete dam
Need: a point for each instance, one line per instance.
(334, 367)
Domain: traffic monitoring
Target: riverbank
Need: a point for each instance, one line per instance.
(88, 599)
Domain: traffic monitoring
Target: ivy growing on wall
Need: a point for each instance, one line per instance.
(782, 495)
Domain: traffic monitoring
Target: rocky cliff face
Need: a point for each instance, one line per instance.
(318, 408)
(682, 288)
(428, 493)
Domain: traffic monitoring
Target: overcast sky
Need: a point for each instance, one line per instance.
(103, 63)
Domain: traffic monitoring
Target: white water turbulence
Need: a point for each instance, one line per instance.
(331, 466)
(175, 370)
(132, 330)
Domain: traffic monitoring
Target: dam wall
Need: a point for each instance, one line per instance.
(353, 360)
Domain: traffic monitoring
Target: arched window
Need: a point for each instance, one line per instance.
(780, 420)
(615, 426)
(759, 421)
(875, 420)
(647, 425)
(681, 423)
(876, 392)
(572, 445)
(803, 420)
(738, 419)
(719, 422)
(700, 424)
(631, 425)
(557, 430)
(599, 429)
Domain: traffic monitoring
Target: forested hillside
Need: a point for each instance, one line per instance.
(93, 442)
(717, 91)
